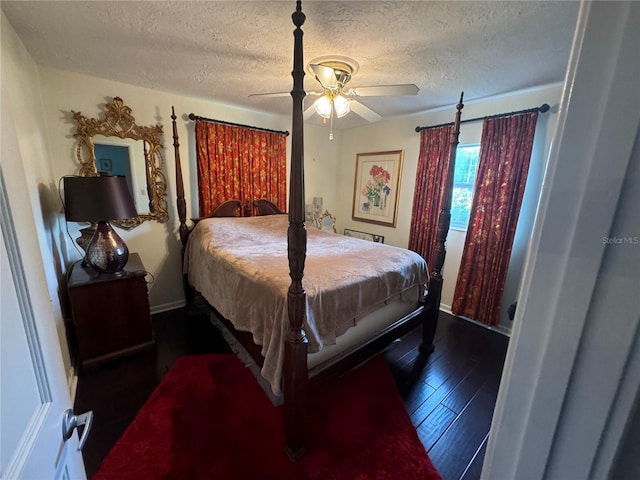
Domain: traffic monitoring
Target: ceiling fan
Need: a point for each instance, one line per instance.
(333, 73)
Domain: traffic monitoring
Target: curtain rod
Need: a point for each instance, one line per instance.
(205, 119)
(542, 109)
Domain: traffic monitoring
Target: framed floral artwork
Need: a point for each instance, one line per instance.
(370, 237)
(375, 195)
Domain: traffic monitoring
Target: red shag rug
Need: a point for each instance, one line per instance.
(209, 419)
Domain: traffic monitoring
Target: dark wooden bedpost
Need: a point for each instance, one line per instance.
(147, 172)
(181, 204)
(444, 220)
(295, 378)
(180, 201)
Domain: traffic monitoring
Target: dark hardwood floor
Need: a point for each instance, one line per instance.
(449, 396)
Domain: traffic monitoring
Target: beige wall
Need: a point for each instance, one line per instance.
(47, 129)
(157, 243)
(400, 134)
(321, 165)
(22, 100)
(40, 103)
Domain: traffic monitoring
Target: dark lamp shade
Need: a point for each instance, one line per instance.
(92, 199)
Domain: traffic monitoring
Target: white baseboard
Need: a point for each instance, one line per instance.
(498, 328)
(167, 306)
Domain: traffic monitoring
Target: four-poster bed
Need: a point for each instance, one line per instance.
(298, 307)
(349, 284)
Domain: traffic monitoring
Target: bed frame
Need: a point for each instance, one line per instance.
(296, 374)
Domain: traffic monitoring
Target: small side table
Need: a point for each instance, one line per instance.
(111, 316)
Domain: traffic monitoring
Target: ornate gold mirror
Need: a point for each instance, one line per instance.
(118, 146)
(327, 222)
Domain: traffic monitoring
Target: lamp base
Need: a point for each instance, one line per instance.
(86, 234)
(107, 252)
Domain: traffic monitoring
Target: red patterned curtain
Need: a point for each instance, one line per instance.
(239, 163)
(433, 166)
(505, 151)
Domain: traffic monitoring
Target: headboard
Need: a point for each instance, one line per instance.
(235, 208)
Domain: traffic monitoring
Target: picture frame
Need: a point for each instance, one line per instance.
(376, 186)
(370, 237)
(106, 165)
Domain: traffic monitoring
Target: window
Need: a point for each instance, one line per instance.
(464, 179)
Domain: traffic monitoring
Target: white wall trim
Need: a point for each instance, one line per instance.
(498, 328)
(164, 307)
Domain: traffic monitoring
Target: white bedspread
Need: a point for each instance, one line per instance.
(240, 267)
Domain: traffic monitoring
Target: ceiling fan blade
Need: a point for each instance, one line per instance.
(274, 94)
(364, 112)
(325, 75)
(282, 94)
(385, 90)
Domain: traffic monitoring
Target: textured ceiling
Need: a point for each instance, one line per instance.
(226, 50)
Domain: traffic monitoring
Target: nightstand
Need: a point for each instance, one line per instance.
(110, 313)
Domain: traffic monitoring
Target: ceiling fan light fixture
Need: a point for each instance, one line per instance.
(341, 106)
(323, 106)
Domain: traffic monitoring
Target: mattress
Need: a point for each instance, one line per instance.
(240, 267)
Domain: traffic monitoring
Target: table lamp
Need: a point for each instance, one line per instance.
(100, 200)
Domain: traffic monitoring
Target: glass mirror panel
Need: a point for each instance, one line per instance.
(327, 222)
(125, 156)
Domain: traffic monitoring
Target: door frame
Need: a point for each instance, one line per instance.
(567, 389)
